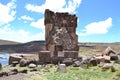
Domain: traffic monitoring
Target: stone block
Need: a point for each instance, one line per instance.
(60, 54)
(68, 61)
(70, 54)
(45, 56)
(13, 58)
(62, 68)
(114, 57)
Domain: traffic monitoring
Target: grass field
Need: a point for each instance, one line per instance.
(89, 48)
(73, 73)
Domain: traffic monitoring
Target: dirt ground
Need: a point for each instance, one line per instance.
(13, 77)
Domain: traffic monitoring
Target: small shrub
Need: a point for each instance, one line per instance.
(118, 74)
(112, 69)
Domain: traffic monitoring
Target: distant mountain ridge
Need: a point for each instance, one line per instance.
(7, 42)
(36, 46)
(33, 46)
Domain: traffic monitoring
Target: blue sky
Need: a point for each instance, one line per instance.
(23, 20)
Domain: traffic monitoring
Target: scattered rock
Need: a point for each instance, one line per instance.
(107, 59)
(14, 71)
(68, 61)
(107, 66)
(62, 68)
(14, 58)
(23, 71)
(109, 51)
(34, 61)
(34, 69)
(32, 65)
(113, 57)
(100, 59)
(117, 61)
(79, 59)
(50, 65)
(14, 63)
(76, 64)
(93, 62)
(23, 63)
(1, 74)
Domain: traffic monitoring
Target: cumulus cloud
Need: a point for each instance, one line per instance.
(38, 24)
(8, 33)
(100, 27)
(7, 12)
(55, 5)
(25, 17)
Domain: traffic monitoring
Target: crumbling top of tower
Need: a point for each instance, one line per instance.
(60, 19)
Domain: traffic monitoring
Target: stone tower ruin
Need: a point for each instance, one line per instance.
(60, 34)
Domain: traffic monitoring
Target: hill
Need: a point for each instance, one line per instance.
(6, 42)
(88, 48)
(34, 46)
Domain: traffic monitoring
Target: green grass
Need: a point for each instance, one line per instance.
(8, 68)
(72, 73)
(80, 74)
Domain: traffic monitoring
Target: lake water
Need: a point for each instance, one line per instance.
(4, 58)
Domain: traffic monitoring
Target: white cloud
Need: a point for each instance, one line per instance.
(7, 33)
(100, 27)
(25, 17)
(7, 12)
(38, 24)
(55, 5)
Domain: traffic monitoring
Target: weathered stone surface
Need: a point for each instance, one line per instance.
(23, 63)
(68, 61)
(76, 64)
(109, 51)
(34, 69)
(60, 34)
(45, 56)
(100, 59)
(14, 71)
(34, 61)
(93, 62)
(3, 74)
(23, 71)
(70, 54)
(107, 59)
(14, 63)
(113, 57)
(13, 58)
(54, 60)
